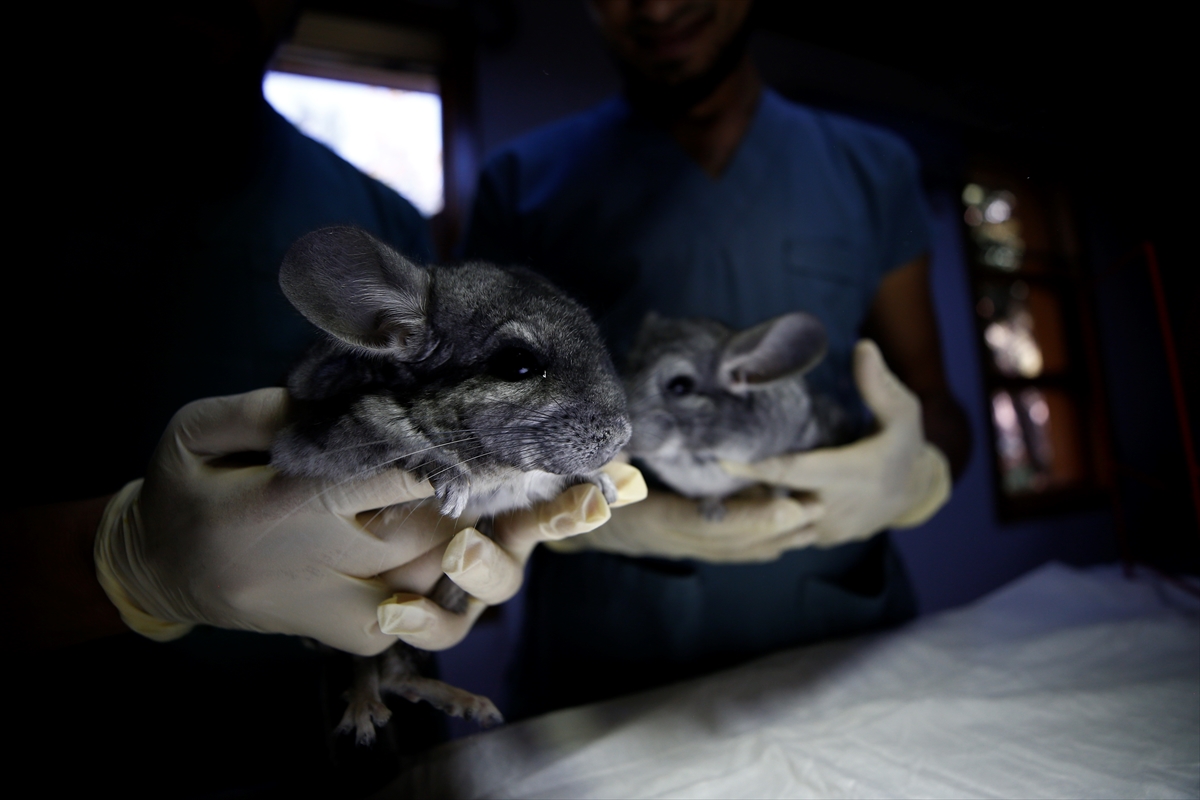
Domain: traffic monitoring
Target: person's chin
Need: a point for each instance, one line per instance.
(668, 74)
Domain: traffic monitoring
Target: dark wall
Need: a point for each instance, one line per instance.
(553, 66)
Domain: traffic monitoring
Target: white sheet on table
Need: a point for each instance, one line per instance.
(1065, 683)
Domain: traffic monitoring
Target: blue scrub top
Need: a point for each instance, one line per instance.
(810, 213)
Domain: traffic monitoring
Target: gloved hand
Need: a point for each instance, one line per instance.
(667, 525)
(205, 539)
(491, 571)
(893, 478)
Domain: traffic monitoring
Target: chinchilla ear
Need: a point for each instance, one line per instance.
(354, 287)
(778, 348)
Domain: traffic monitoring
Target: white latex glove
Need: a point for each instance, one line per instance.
(206, 540)
(666, 525)
(893, 478)
(492, 570)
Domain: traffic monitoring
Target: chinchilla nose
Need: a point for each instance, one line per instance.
(591, 444)
(610, 441)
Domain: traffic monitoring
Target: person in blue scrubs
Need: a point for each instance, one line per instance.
(699, 192)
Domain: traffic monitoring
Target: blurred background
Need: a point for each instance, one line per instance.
(1052, 153)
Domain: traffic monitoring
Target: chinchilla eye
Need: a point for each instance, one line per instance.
(681, 385)
(515, 364)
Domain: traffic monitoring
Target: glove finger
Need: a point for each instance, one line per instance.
(674, 521)
(397, 536)
(369, 544)
(388, 488)
(881, 390)
(579, 509)
(423, 623)
(239, 423)
(752, 520)
(482, 568)
(931, 481)
(419, 575)
(347, 618)
(631, 485)
(828, 539)
(796, 471)
(772, 549)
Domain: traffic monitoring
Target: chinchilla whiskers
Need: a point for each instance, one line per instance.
(364, 445)
(643, 404)
(551, 411)
(457, 464)
(515, 437)
(417, 505)
(352, 477)
(326, 490)
(648, 443)
(516, 444)
(517, 441)
(411, 453)
(375, 516)
(412, 509)
(462, 462)
(526, 423)
(501, 430)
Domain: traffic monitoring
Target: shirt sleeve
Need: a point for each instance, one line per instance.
(904, 218)
(401, 224)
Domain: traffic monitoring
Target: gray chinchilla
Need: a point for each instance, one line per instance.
(488, 381)
(699, 391)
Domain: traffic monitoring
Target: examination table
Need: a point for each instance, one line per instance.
(1066, 683)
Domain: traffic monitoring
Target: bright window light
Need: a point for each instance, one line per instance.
(393, 135)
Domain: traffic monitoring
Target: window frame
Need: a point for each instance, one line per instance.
(1080, 381)
(395, 46)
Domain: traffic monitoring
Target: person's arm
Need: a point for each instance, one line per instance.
(49, 591)
(902, 322)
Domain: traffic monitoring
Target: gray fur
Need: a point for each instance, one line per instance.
(699, 392)
(419, 372)
(408, 377)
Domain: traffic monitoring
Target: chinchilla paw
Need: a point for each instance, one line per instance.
(604, 483)
(454, 495)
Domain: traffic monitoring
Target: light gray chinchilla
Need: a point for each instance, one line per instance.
(488, 381)
(699, 392)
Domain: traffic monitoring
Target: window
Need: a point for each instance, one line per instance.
(393, 135)
(392, 93)
(1047, 432)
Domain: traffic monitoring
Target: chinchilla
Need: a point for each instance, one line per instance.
(488, 381)
(700, 392)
